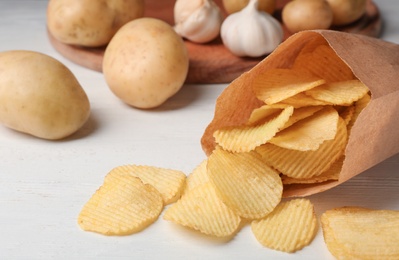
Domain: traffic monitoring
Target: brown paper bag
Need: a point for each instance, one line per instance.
(375, 135)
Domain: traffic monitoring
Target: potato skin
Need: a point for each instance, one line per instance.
(300, 15)
(145, 63)
(90, 23)
(347, 11)
(40, 96)
(232, 6)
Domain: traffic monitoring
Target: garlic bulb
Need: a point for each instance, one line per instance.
(251, 32)
(197, 20)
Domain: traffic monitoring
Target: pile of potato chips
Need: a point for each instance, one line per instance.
(131, 198)
(215, 199)
(302, 129)
(299, 135)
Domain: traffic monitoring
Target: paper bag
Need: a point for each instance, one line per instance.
(375, 135)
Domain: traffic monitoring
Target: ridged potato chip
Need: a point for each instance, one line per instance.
(331, 174)
(302, 100)
(123, 205)
(197, 177)
(246, 138)
(278, 84)
(170, 183)
(359, 106)
(342, 93)
(201, 209)
(360, 233)
(245, 183)
(301, 113)
(347, 113)
(323, 62)
(305, 164)
(264, 113)
(309, 133)
(290, 227)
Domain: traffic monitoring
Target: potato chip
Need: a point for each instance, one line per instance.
(278, 84)
(170, 183)
(302, 100)
(245, 183)
(122, 205)
(342, 93)
(324, 63)
(347, 114)
(264, 113)
(197, 177)
(305, 164)
(246, 138)
(359, 106)
(332, 174)
(301, 113)
(201, 209)
(290, 227)
(310, 132)
(360, 233)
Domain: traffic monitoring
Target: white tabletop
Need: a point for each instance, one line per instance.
(44, 184)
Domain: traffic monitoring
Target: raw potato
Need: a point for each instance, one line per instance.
(302, 15)
(90, 22)
(145, 63)
(40, 96)
(232, 6)
(345, 12)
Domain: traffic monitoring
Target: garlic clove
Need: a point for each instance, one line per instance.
(184, 8)
(197, 20)
(251, 32)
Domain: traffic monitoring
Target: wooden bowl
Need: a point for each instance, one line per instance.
(211, 62)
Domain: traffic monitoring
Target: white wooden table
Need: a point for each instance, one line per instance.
(44, 184)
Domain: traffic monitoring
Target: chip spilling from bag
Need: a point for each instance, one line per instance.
(197, 177)
(303, 127)
(245, 183)
(297, 134)
(201, 209)
(360, 233)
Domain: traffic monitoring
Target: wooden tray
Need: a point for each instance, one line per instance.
(211, 62)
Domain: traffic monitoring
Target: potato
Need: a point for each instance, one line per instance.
(145, 63)
(346, 12)
(300, 15)
(232, 6)
(90, 22)
(40, 96)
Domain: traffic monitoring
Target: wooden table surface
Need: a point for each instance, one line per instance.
(44, 184)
